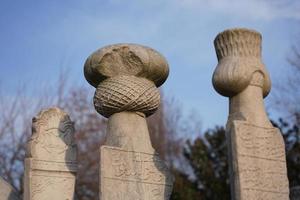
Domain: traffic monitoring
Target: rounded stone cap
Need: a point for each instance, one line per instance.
(126, 59)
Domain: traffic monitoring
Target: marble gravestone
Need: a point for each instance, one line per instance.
(256, 149)
(50, 163)
(7, 192)
(126, 77)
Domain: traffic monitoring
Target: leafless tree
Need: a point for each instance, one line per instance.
(287, 91)
(165, 128)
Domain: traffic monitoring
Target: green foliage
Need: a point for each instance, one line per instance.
(184, 188)
(207, 158)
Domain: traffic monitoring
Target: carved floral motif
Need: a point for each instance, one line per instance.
(50, 164)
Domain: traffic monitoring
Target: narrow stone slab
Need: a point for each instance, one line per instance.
(126, 77)
(50, 164)
(256, 149)
(259, 162)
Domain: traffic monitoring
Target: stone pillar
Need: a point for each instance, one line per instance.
(126, 77)
(50, 163)
(7, 192)
(256, 148)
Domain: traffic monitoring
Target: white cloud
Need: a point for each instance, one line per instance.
(249, 9)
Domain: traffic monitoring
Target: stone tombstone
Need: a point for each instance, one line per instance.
(50, 163)
(256, 149)
(127, 77)
(7, 192)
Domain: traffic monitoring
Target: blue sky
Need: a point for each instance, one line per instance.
(39, 37)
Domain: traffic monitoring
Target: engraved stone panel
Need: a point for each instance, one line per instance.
(260, 162)
(145, 175)
(50, 164)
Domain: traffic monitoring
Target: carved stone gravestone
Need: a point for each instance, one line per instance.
(50, 164)
(126, 77)
(7, 192)
(256, 148)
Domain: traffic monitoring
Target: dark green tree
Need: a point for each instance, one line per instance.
(208, 177)
(291, 135)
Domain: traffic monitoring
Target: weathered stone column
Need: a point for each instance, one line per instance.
(126, 77)
(256, 148)
(50, 164)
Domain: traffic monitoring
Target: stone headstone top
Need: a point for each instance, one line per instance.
(51, 163)
(126, 77)
(52, 137)
(239, 55)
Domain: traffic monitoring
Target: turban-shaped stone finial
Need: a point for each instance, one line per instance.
(239, 56)
(126, 77)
